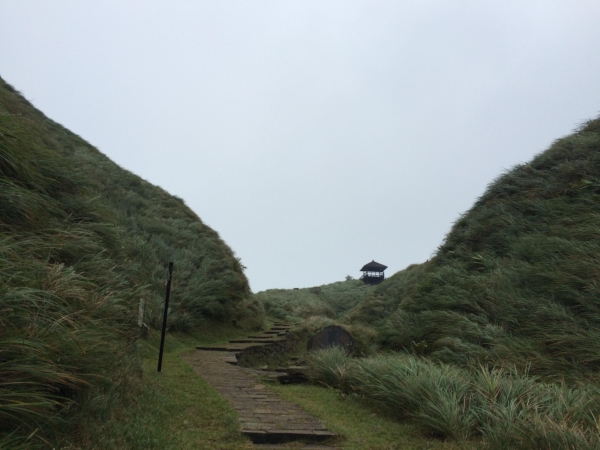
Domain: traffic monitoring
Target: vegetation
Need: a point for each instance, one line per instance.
(82, 241)
(506, 409)
(363, 426)
(317, 307)
(516, 281)
(496, 338)
(329, 301)
(172, 410)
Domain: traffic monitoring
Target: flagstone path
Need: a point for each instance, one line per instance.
(264, 416)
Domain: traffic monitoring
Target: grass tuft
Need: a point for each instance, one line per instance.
(504, 408)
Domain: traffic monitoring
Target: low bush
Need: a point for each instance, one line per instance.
(504, 408)
(330, 300)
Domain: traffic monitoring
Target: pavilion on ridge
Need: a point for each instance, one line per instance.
(373, 272)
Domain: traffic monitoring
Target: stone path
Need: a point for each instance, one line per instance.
(264, 416)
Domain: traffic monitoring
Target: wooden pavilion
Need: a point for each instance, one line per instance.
(373, 272)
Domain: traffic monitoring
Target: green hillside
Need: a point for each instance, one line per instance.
(515, 283)
(329, 301)
(82, 241)
(496, 339)
(516, 280)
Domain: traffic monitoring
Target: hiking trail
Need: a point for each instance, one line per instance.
(265, 417)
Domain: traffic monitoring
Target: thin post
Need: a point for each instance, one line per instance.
(164, 325)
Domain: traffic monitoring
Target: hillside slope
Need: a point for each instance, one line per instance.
(82, 241)
(516, 281)
(329, 301)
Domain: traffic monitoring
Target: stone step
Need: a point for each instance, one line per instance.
(270, 340)
(229, 347)
(236, 345)
(281, 436)
(212, 348)
(297, 446)
(231, 359)
(264, 416)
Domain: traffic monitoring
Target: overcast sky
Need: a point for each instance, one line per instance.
(314, 136)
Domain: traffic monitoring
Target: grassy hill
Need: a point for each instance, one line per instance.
(82, 241)
(516, 280)
(515, 283)
(497, 337)
(329, 301)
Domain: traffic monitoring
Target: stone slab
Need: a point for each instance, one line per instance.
(280, 436)
(256, 436)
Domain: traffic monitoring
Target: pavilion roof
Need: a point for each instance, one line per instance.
(373, 267)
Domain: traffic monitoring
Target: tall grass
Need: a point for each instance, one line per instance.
(329, 301)
(315, 308)
(516, 280)
(82, 241)
(498, 335)
(507, 409)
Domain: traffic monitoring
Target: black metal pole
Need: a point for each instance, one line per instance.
(164, 325)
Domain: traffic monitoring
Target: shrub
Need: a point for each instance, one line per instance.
(506, 408)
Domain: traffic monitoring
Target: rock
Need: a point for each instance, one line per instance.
(332, 336)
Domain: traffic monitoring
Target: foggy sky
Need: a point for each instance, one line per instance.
(314, 136)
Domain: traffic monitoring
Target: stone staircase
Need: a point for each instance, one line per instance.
(264, 416)
(276, 334)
